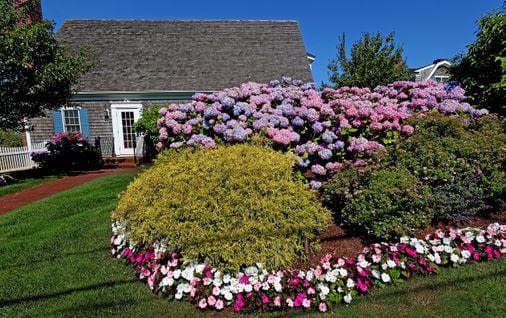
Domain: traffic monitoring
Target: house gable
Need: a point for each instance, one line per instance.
(143, 55)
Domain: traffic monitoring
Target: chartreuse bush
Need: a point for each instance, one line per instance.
(230, 206)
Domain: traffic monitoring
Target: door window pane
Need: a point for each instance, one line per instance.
(127, 122)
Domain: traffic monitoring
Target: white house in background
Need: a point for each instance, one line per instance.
(438, 71)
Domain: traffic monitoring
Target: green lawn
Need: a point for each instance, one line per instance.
(55, 261)
(22, 184)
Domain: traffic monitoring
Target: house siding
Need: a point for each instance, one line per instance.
(43, 127)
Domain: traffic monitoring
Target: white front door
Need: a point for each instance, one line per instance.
(123, 118)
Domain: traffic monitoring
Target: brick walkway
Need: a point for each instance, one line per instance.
(13, 201)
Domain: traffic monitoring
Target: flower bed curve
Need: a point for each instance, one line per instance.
(333, 281)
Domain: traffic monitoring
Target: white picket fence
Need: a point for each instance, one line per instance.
(18, 158)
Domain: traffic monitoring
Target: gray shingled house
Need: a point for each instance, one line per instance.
(141, 62)
(437, 71)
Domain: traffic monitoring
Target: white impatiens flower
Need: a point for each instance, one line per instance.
(350, 283)
(278, 287)
(200, 268)
(448, 249)
(419, 249)
(343, 272)
(309, 275)
(251, 271)
(347, 298)
(454, 258)
(188, 273)
(480, 239)
(384, 266)
(248, 288)
(385, 277)
(391, 263)
(167, 282)
(363, 263)
(331, 276)
(178, 295)
(375, 273)
(446, 240)
(324, 289)
(404, 240)
(226, 278)
(177, 273)
(465, 254)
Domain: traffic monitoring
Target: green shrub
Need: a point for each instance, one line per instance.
(10, 138)
(462, 161)
(231, 206)
(147, 126)
(450, 168)
(378, 203)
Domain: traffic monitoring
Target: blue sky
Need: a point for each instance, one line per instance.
(426, 29)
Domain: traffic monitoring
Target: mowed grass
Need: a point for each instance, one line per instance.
(55, 262)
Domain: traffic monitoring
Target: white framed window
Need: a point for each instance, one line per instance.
(71, 119)
(441, 78)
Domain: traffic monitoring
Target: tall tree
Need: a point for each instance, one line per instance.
(375, 60)
(36, 72)
(482, 70)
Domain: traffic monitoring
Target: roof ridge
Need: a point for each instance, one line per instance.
(180, 20)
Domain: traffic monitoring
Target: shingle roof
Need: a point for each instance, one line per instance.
(136, 55)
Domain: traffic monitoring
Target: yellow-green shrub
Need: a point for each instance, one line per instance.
(231, 206)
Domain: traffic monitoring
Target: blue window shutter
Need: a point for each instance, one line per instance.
(57, 121)
(85, 125)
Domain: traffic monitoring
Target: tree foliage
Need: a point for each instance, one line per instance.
(482, 70)
(375, 60)
(36, 72)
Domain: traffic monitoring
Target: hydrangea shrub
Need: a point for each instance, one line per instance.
(228, 206)
(326, 129)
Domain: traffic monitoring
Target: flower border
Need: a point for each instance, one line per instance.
(333, 281)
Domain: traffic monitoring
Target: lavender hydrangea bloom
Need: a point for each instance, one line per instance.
(177, 144)
(325, 154)
(318, 169)
(315, 184)
(317, 128)
(274, 83)
(219, 128)
(328, 137)
(298, 122)
(227, 102)
(236, 134)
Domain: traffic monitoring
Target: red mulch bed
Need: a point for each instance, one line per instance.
(16, 200)
(335, 240)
